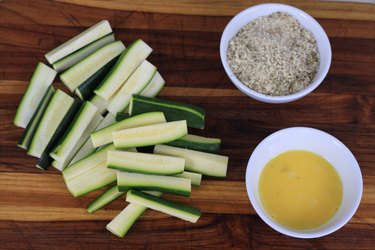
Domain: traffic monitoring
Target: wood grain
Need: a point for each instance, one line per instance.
(37, 211)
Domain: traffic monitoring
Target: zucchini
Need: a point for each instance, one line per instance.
(45, 160)
(74, 148)
(80, 123)
(88, 147)
(154, 87)
(173, 111)
(54, 114)
(121, 116)
(77, 56)
(105, 198)
(121, 224)
(199, 162)
(194, 177)
(80, 72)
(104, 136)
(41, 79)
(195, 142)
(128, 62)
(86, 89)
(149, 135)
(170, 184)
(172, 208)
(100, 104)
(112, 194)
(85, 179)
(29, 131)
(145, 163)
(97, 177)
(134, 85)
(79, 41)
(87, 163)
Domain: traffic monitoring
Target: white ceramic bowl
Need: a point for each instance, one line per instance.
(323, 144)
(246, 16)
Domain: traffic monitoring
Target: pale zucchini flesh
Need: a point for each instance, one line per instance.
(54, 114)
(77, 74)
(78, 144)
(105, 198)
(199, 162)
(121, 224)
(149, 135)
(134, 85)
(145, 163)
(195, 178)
(100, 104)
(41, 79)
(170, 184)
(75, 131)
(172, 208)
(86, 37)
(88, 147)
(104, 136)
(154, 86)
(80, 54)
(128, 62)
(29, 131)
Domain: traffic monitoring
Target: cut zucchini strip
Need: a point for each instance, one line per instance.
(200, 162)
(105, 198)
(80, 72)
(28, 133)
(79, 143)
(73, 134)
(121, 224)
(128, 62)
(199, 143)
(145, 163)
(149, 135)
(80, 54)
(86, 89)
(100, 104)
(54, 114)
(170, 184)
(97, 177)
(195, 178)
(88, 147)
(41, 79)
(104, 136)
(173, 111)
(79, 41)
(154, 87)
(172, 208)
(134, 85)
(45, 160)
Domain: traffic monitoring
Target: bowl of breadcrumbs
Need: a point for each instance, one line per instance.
(275, 53)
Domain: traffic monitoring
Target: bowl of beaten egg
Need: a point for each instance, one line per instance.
(303, 182)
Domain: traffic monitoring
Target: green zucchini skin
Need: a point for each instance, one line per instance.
(210, 145)
(172, 208)
(173, 111)
(45, 160)
(27, 135)
(86, 89)
(122, 116)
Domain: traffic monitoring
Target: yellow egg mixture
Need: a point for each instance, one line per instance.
(300, 189)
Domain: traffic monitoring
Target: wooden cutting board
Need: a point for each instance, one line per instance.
(37, 211)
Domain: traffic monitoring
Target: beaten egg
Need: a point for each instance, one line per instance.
(300, 189)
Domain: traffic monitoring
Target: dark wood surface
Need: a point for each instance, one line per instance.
(37, 211)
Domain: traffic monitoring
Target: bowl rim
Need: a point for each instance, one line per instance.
(263, 97)
(300, 233)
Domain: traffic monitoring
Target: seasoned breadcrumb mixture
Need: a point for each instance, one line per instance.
(274, 55)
